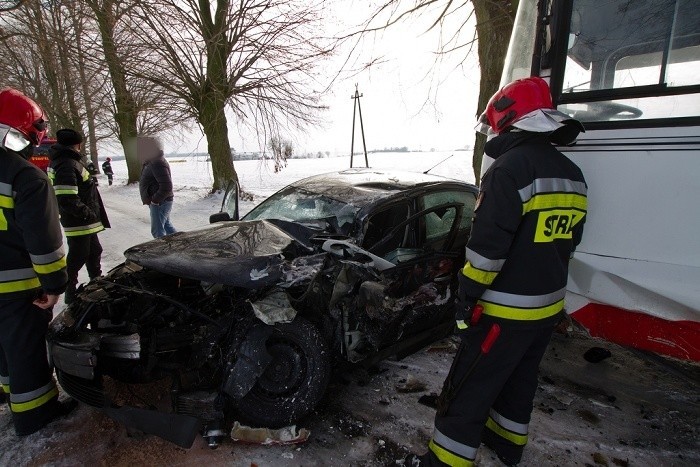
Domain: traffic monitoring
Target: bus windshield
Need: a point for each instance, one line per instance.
(632, 60)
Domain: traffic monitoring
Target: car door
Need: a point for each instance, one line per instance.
(415, 296)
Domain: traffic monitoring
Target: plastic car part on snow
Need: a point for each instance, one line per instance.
(179, 429)
(267, 437)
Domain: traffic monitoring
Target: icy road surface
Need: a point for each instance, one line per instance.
(628, 410)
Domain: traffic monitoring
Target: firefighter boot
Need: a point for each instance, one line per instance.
(58, 410)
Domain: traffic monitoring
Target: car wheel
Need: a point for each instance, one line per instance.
(295, 380)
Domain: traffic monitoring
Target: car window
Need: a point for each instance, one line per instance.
(296, 204)
(439, 223)
(381, 223)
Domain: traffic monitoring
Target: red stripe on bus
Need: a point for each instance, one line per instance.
(679, 339)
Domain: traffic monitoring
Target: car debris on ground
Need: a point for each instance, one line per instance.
(267, 437)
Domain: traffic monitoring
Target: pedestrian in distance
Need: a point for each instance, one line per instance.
(32, 269)
(156, 185)
(83, 214)
(107, 170)
(528, 220)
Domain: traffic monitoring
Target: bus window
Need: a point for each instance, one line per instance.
(632, 60)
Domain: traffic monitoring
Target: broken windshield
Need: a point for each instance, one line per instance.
(296, 204)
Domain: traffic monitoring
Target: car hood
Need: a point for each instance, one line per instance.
(248, 254)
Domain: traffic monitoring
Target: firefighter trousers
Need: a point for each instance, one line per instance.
(83, 250)
(488, 397)
(24, 368)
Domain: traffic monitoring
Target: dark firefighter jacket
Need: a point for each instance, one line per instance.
(528, 221)
(82, 211)
(156, 184)
(31, 244)
(107, 168)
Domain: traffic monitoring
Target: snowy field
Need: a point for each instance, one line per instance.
(628, 410)
(192, 180)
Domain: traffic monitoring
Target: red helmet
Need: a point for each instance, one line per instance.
(23, 114)
(526, 104)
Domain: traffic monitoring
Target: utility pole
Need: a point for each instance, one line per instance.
(357, 108)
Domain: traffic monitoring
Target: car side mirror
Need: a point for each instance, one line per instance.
(229, 205)
(219, 217)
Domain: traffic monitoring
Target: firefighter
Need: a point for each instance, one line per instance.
(107, 169)
(32, 270)
(82, 212)
(528, 220)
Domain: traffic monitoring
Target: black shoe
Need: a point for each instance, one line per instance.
(58, 410)
(507, 453)
(507, 462)
(3, 397)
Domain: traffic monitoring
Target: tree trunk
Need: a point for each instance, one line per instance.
(125, 115)
(213, 120)
(212, 115)
(494, 23)
(87, 97)
(47, 55)
(65, 71)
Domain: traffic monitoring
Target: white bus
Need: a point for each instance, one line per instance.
(630, 71)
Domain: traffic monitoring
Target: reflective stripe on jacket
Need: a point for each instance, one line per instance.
(31, 244)
(82, 211)
(528, 221)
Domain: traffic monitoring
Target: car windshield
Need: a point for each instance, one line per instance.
(297, 204)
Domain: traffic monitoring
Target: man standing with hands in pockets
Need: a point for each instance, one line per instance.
(156, 185)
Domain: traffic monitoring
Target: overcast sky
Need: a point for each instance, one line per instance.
(408, 99)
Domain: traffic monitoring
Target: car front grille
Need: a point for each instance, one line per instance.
(83, 390)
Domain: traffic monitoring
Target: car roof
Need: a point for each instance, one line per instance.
(363, 186)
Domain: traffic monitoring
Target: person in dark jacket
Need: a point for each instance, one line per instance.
(83, 214)
(92, 169)
(528, 220)
(156, 185)
(107, 169)
(32, 270)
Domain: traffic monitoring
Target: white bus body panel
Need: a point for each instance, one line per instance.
(641, 243)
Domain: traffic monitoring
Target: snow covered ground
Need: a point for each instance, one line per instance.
(628, 410)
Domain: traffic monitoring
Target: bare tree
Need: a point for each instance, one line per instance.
(81, 70)
(87, 78)
(9, 5)
(281, 151)
(494, 23)
(108, 15)
(256, 57)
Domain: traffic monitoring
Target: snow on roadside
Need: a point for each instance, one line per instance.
(194, 203)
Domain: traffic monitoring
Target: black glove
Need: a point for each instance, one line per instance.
(464, 305)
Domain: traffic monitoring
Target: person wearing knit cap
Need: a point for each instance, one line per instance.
(83, 214)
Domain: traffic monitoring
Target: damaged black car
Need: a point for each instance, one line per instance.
(245, 319)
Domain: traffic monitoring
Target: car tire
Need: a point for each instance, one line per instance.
(295, 380)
